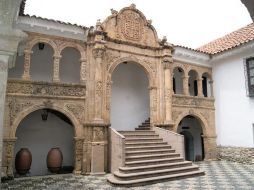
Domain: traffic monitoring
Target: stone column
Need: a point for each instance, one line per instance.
(211, 88)
(186, 85)
(3, 83)
(27, 65)
(168, 91)
(153, 104)
(200, 87)
(98, 55)
(83, 70)
(210, 147)
(56, 67)
(78, 154)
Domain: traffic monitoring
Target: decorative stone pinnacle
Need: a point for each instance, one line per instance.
(133, 6)
(149, 22)
(113, 12)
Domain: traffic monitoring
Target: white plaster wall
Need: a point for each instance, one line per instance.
(42, 63)
(70, 66)
(18, 69)
(40, 136)
(178, 81)
(195, 130)
(130, 97)
(234, 110)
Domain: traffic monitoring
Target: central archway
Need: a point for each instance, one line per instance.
(130, 96)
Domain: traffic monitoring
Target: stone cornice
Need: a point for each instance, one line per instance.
(191, 56)
(48, 27)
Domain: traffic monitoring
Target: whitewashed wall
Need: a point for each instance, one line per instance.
(40, 136)
(234, 110)
(130, 97)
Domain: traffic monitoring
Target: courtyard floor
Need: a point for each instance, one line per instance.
(219, 175)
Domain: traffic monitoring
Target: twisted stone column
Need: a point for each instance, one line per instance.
(83, 70)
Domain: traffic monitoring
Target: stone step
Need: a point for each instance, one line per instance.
(154, 167)
(151, 180)
(137, 132)
(129, 136)
(148, 174)
(153, 162)
(147, 152)
(144, 125)
(131, 144)
(150, 157)
(143, 140)
(148, 147)
(143, 128)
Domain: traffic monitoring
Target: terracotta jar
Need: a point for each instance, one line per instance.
(54, 160)
(23, 161)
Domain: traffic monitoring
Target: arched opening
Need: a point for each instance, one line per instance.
(130, 96)
(42, 130)
(70, 65)
(191, 128)
(42, 62)
(206, 85)
(178, 75)
(193, 83)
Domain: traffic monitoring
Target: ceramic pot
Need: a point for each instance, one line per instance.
(23, 161)
(54, 160)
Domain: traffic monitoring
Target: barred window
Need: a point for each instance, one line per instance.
(249, 74)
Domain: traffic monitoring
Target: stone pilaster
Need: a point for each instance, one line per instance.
(8, 152)
(78, 154)
(27, 65)
(83, 70)
(200, 87)
(168, 90)
(210, 147)
(56, 66)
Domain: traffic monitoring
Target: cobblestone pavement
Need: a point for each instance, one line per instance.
(219, 175)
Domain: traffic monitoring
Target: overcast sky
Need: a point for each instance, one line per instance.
(190, 23)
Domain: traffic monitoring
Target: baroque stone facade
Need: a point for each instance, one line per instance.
(125, 36)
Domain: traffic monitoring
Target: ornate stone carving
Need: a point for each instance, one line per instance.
(98, 134)
(193, 102)
(132, 26)
(8, 146)
(16, 107)
(77, 110)
(45, 89)
(98, 88)
(3, 66)
(110, 57)
(83, 70)
(56, 68)
(78, 154)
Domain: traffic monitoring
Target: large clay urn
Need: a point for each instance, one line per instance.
(54, 160)
(23, 161)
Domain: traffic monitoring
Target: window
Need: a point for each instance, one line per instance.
(249, 73)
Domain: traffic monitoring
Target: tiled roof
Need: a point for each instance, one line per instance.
(229, 41)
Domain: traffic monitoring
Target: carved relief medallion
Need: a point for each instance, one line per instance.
(132, 26)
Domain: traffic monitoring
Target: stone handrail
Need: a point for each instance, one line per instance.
(175, 140)
(117, 150)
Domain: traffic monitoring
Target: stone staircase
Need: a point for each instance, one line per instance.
(150, 160)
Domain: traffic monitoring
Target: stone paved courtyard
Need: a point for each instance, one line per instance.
(219, 175)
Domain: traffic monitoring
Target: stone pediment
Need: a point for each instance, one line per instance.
(130, 25)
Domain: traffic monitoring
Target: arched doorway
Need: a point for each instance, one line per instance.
(130, 96)
(42, 130)
(191, 128)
